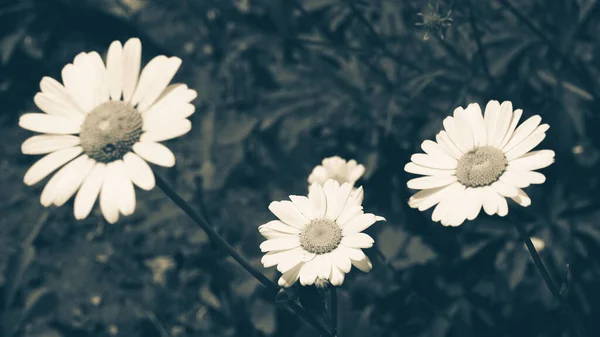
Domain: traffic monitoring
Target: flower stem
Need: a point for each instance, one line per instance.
(213, 235)
(334, 309)
(539, 264)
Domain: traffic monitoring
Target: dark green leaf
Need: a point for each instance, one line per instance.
(262, 316)
(15, 269)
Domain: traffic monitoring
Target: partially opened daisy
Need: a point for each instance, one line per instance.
(478, 161)
(318, 238)
(104, 123)
(338, 169)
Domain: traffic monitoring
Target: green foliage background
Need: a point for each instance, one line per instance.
(281, 85)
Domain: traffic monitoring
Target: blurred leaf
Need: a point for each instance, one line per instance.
(39, 302)
(471, 249)
(9, 43)
(262, 316)
(15, 269)
(314, 5)
(503, 50)
(414, 252)
(550, 79)
(391, 240)
(208, 297)
(235, 129)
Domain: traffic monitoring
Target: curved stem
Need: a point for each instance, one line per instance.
(218, 239)
(539, 264)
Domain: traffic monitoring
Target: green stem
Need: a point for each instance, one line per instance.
(539, 264)
(218, 239)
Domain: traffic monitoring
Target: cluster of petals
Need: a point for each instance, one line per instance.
(465, 133)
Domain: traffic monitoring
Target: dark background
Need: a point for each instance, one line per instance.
(281, 85)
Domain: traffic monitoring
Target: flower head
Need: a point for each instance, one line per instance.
(434, 22)
(103, 124)
(338, 169)
(318, 238)
(478, 161)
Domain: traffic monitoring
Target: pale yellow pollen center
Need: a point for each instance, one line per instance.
(110, 130)
(320, 236)
(481, 167)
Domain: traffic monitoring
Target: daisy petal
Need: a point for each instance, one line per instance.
(277, 229)
(44, 123)
(318, 198)
(49, 163)
(358, 240)
(42, 144)
(522, 132)
(435, 162)
(114, 67)
(125, 190)
(55, 99)
(109, 196)
(304, 205)
(290, 277)
(155, 153)
(154, 80)
(172, 129)
(139, 171)
(288, 213)
(341, 260)
(76, 172)
(337, 197)
(175, 97)
(511, 128)
(428, 182)
(336, 277)
(503, 120)
(309, 273)
(522, 199)
(359, 224)
(444, 140)
(532, 161)
(88, 193)
(525, 146)
(363, 265)
(132, 58)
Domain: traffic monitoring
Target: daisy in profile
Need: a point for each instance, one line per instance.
(478, 161)
(102, 124)
(338, 169)
(318, 238)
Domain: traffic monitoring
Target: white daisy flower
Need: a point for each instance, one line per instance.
(338, 169)
(318, 237)
(477, 162)
(104, 124)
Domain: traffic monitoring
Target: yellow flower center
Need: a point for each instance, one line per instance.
(481, 167)
(110, 130)
(320, 236)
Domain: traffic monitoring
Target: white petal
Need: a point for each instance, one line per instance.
(277, 229)
(348, 215)
(532, 161)
(433, 161)
(428, 182)
(511, 129)
(45, 123)
(49, 163)
(305, 206)
(42, 144)
(464, 127)
(290, 277)
(55, 99)
(355, 173)
(515, 179)
(363, 265)
(132, 58)
(109, 198)
(359, 224)
(155, 153)
(88, 193)
(114, 67)
(76, 171)
(490, 201)
(166, 131)
(98, 79)
(318, 175)
(437, 151)
(337, 197)
(175, 97)
(336, 277)
(522, 199)
(473, 114)
(76, 82)
(503, 120)
(522, 132)
(126, 192)
(473, 202)
(139, 171)
(57, 106)
(526, 145)
(428, 198)
(341, 260)
(309, 273)
(318, 198)
(358, 240)
(275, 257)
(155, 77)
(444, 140)
(492, 109)
(504, 189)
(502, 206)
(51, 189)
(454, 132)
(288, 213)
